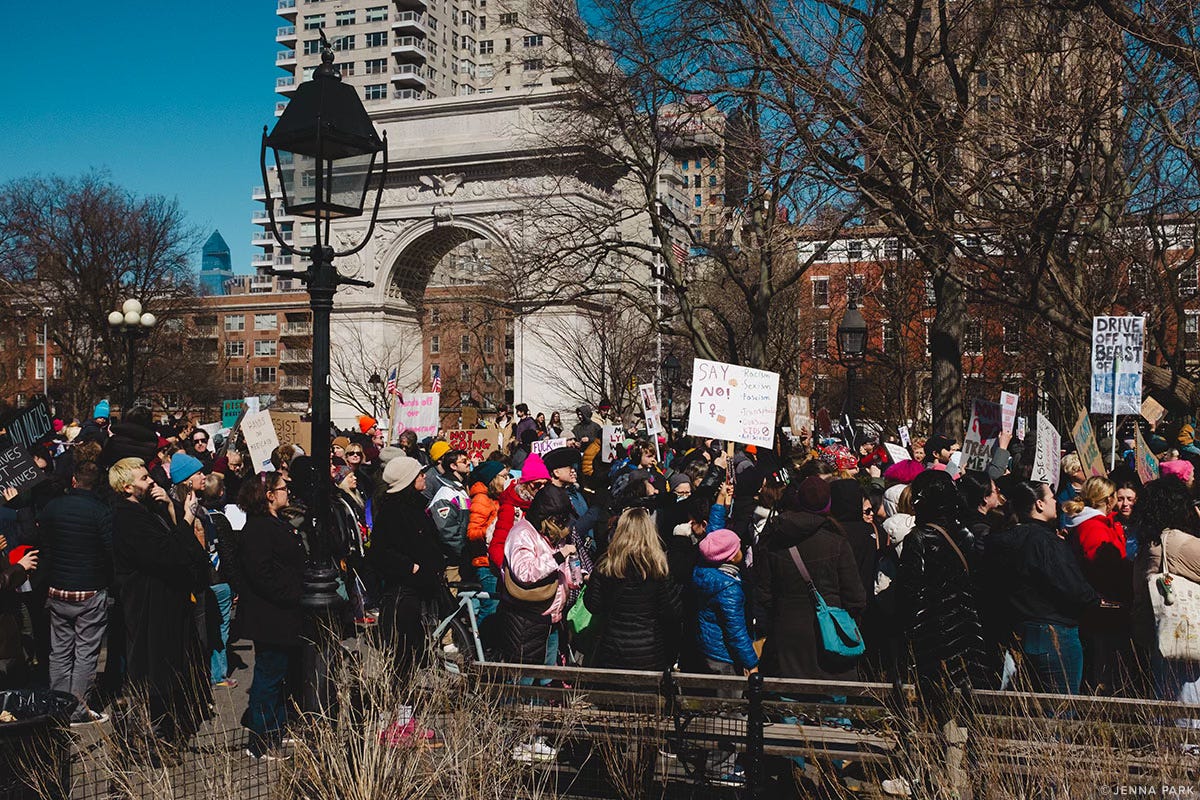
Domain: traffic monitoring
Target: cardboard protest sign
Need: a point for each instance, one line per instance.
(469, 416)
(733, 403)
(905, 437)
(896, 453)
(419, 413)
(1153, 410)
(17, 470)
(1047, 459)
(543, 446)
(650, 407)
(259, 434)
(976, 455)
(290, 428)
(611, 436)
(1084, 437)
(230, 411)
(799, 413)
(1008, 411)
(29, 425)
(1147, 462)
(1118, 347)
(986, 419)
(477, 442)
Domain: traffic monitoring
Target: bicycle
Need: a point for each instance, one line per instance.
(464, 646)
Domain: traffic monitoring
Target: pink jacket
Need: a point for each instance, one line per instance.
(530, 558)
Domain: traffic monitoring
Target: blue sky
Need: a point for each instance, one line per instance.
(169, 97)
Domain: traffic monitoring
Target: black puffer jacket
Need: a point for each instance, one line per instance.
(404, 536)
(76, 539)
(635, 621)
(938, 609)
(272, 560)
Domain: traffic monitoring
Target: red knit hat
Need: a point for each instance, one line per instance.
(365, 423)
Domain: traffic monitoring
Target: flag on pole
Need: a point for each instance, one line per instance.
(681, 254)
(437, 379)
(390, 387)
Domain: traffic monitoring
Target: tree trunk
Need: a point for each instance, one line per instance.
(945, 346)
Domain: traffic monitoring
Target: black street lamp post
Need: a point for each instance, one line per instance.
(852, 348)
(132, 323)
(325, 149)
(375, 382)
(670, 372)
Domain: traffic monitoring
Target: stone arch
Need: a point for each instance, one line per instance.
(416, 254)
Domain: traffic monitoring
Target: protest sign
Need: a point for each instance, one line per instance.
(976, 455)
(1147, 462)
(259, 434)
(611, 436)
(733, 403)
(210, 428)
(543, 446)
(799, 413)
(17, 470)
(29, 425)
(1153, 410)
(1047, 459)
(650, 407)
(1008, 411)
(251, 404)
(469, 416)
(1118, 346)
(896, 453)
(1021, 428)
(477, 442)
(1084, 437)
(290, 428)
(418, 413)
(230, 410)
(985, 420)
(905, 437)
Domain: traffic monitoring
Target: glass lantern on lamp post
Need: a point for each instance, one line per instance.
(852, 350)
(133, 323)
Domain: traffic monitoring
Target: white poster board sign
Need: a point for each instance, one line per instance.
(1008, 410)
(800, 413)
(896, 453)
(259, 432)
(985, 421)
(420, 413)
(1118, 347)
(905, 436)
(733, 403)
(610, 437)
(650, 407)
(1047, 460)
(543, 446)
(976, 455)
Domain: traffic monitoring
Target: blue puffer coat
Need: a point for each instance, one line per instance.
(722, 630)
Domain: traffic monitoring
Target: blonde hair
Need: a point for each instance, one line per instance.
(1071, 464)
(1095, 491)
(634, 548)
(904, 505)
(121, 474)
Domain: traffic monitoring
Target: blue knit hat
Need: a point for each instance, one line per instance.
(183, 467)
(101, 410)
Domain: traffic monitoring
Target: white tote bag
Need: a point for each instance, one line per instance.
(1176, 605)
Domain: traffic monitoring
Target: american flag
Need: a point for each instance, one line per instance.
(681, 254)
(437, 379)
(391, 388)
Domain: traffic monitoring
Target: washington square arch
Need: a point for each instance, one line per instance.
(468, 180)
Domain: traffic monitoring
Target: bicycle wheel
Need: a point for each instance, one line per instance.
(456, 650)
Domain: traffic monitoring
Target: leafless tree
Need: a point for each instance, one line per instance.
(357, 357)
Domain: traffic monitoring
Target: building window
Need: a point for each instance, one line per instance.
(435, 316)
(489, 344)
(344, 18)
(698, 201)
(312, 47)
(696, 181)
(820, 389)
(22, 338)
(39, 368)
(486, 47)
(820, 289)
(489, 374)
(464, 371)
(1187, 281)
(712, 181)
(854, 250)
(346, 69)
(854, 289)
(464, 344)
(928, 336)
(888, 342)
(235, 349)
(264, 375)
(40, 336)
(265, 347)
(509, 19)
(235, 375)
(1139, 279)
(377, 39)
(375, 91)
(973, 337)
(314, 22)
(532, 64)
(265, 322)
(343, 43)
(58, 367)
(235, 322)
(1191, 330)
(375, 66)
(820, 339)
(20, 374)
(930, 291)
(376, 14)
(466, 316)
(533, 40)
(891, 248)
(435, 344)
(1012, 338)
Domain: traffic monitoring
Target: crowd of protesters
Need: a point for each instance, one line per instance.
(161, 545)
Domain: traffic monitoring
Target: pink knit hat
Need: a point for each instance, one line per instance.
(534, 469)
(904, 471)
(1180, 469)
(720, 546)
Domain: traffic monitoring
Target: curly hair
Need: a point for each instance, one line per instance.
(1164, 504)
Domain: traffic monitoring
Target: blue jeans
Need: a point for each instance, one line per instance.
(1054, 655)
(266, 713)
(218, 666)
(489, 579)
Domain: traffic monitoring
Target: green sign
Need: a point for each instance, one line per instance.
(229, 412)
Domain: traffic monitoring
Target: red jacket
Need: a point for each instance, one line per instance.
(1100, 544)
(1097, 531)
(512, 507)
